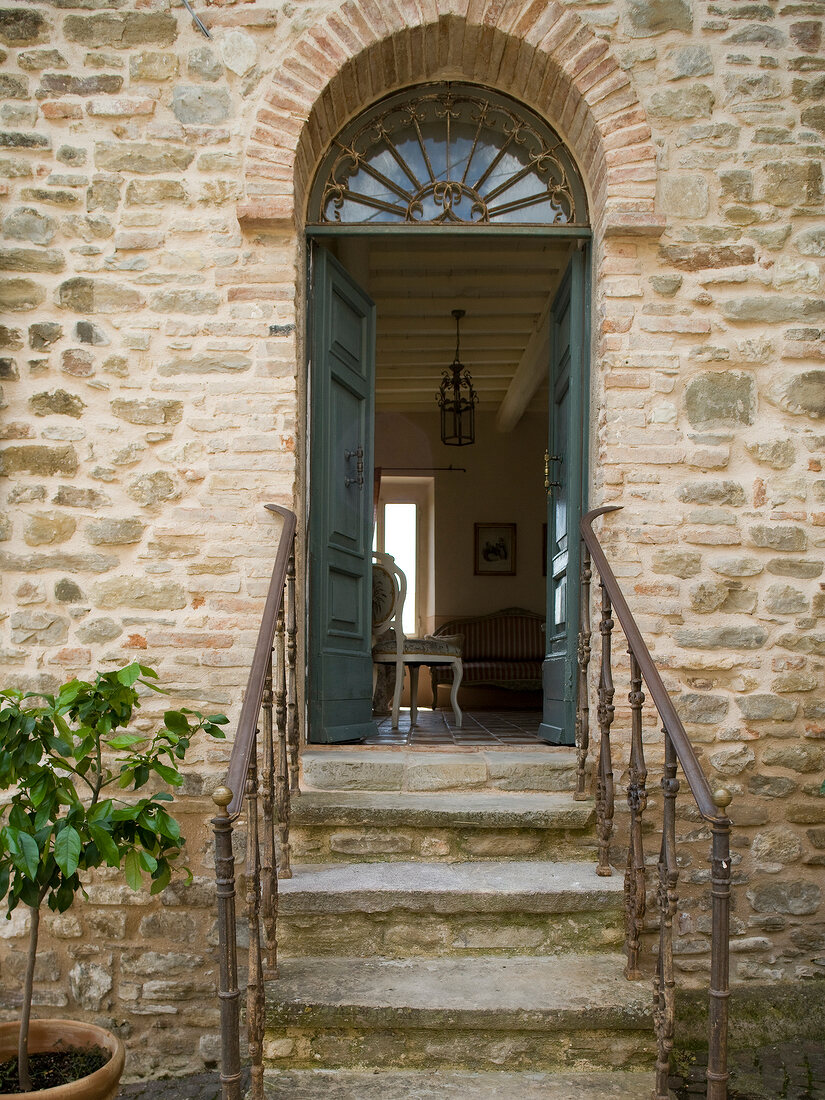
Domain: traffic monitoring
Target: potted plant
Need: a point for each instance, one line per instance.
(63, 760)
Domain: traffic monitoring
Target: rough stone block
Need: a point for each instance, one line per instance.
(142, 158)
(153, 66)
(691, 101)
(114, 532)
(797, 898)
(149, 489)
(20, 295)
(154, 192)
(45, 528)
(85, 295)
(22, 26)
(35, 459)
(138, 592)
(60, 84)
(778, 538)
(653, 17)
(721, 637)
(38, 628)
(122, 30)
(199, 106)
(685, 195)
(802, 393)
(721, 397)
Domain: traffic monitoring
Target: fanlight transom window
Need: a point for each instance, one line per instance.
(448, 154)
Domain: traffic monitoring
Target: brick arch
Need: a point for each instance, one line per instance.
(538, 52)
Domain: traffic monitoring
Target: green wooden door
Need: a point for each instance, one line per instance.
(342, 384)
(566, 451)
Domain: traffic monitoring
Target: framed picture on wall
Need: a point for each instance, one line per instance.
(495, 550)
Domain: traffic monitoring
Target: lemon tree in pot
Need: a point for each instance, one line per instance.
(70, 768)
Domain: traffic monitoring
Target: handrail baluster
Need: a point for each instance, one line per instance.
(634, 882)
(665, 997)
(291, 677)
(583, 662)
(269, 875)
(282, 774)
(606, 712)
(255, 979)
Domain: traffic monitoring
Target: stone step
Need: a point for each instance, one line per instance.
(330, 826)
(342, 1084)
(560, 1013)
(401, 910)
(392, 769)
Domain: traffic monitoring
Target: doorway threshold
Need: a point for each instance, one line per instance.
(481, 729)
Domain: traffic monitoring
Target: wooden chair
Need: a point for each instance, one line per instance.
(389, 590)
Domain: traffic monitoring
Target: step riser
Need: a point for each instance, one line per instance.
(462, 1049)
(403, 934)
(337, 844)
(339, 1084)
(551, 770)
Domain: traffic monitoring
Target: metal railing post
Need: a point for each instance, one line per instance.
(228, 991)
(720, 951)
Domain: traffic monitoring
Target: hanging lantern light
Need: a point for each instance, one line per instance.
(457, 399)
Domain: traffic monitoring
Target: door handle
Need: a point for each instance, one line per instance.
(357, 454)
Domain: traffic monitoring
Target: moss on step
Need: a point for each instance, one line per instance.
(470, 1049)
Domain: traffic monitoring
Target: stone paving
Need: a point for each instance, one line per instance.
(781, 1071)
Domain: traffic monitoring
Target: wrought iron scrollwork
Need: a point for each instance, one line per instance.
(448, 154)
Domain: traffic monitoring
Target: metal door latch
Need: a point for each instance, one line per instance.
(358, 480)
(548, 484)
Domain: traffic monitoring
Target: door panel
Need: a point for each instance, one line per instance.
(565, 448)
(342, 383)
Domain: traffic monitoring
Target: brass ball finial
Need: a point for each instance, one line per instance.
(222, 796)
(722, 797)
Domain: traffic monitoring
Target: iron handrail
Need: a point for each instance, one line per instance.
(261, 664)
(697, 780)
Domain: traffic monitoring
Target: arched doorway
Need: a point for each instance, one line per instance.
(442, 196)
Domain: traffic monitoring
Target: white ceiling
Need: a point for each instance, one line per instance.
(503, 286)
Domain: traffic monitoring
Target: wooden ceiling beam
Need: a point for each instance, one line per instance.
(529, 374)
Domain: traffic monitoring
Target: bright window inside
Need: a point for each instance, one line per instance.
(404, 528)
(400, 540)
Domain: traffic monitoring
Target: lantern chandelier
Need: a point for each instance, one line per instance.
(457, 399)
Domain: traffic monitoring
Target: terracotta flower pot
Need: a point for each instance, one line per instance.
(45, 1035)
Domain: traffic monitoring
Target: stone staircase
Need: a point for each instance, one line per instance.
(445, 935)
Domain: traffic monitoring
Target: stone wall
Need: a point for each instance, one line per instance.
(152, 384)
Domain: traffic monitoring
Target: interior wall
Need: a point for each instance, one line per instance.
(504, 483)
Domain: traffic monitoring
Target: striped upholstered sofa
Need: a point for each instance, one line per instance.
(503, 649)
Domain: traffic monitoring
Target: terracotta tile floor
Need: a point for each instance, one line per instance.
(481, 727)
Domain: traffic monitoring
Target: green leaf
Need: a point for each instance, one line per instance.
(105, 845)
(177, 722)
(30, 853)
(167, 826)
(132, 869)
(125, 740)
(148, 862)
(128, 675)
(161, 878)
(67, 850)
(169, 774)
